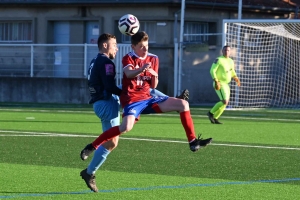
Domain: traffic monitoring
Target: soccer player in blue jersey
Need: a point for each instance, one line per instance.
(105, 99)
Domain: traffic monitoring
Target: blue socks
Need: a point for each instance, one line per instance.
(99, 157)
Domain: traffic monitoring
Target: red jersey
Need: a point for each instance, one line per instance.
(137, 88)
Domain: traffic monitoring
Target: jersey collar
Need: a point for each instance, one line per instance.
(142, 58)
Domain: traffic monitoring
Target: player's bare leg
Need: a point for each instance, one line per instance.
(182, 106)
(89, 149)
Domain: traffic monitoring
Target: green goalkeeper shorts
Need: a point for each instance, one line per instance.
(224, 92)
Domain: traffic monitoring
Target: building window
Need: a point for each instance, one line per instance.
(195, 32)
(149, 27)
(20, 31)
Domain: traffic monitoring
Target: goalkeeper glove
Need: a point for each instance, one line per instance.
(217, 84)
(237, 80)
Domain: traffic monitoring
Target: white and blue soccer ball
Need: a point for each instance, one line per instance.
(129, 24)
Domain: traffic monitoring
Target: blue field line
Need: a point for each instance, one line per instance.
(152, 188)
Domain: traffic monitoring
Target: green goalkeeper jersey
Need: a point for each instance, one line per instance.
(223, 69)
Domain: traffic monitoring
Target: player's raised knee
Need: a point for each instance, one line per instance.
(125, 128)
(186, 105)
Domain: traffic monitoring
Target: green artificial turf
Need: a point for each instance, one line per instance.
(254, 155)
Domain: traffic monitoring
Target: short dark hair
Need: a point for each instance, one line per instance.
(139, 37)
(225, 46)
(104, 38)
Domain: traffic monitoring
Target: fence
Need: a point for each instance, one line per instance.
(52, 60)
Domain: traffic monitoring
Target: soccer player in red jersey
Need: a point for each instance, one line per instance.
(106, 104)
(140, 72)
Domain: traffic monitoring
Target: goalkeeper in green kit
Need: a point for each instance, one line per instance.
(222, 71)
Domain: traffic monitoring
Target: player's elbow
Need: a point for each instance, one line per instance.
(154, 84)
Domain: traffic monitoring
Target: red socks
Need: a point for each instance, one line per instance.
(105, 136)
(186, 121)
(188, 125)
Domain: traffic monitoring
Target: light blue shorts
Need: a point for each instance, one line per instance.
(108, 111)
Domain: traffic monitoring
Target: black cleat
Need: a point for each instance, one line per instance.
(184, 95)
(211, 117)
(217, 121)
(90, 180)
(84, 154)
(198, 143)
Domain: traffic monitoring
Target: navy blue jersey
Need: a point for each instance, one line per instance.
(101, 79)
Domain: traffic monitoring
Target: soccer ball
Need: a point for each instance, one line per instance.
(129, 25)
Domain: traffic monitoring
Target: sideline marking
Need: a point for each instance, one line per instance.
(44, 134)
(162, 114)
(155, 187)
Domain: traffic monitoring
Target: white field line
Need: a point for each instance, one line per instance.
(270, 110)
(22, 133)
(204, 109)
(59, 111)
(246, 118)
(39, 134)
(162, 114)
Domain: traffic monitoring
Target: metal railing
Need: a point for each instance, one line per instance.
(52, 60)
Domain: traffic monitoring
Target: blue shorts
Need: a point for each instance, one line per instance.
(143, 107)
(108, 111)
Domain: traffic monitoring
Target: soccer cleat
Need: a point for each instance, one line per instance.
(84, 154)
(184, 95)
(204, 142)
(198, 143)
(217, 121)
(211, 117)
(90, 180)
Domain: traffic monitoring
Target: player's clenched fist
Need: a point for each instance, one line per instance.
(237, 80)
(217, 85)
(146, 67)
